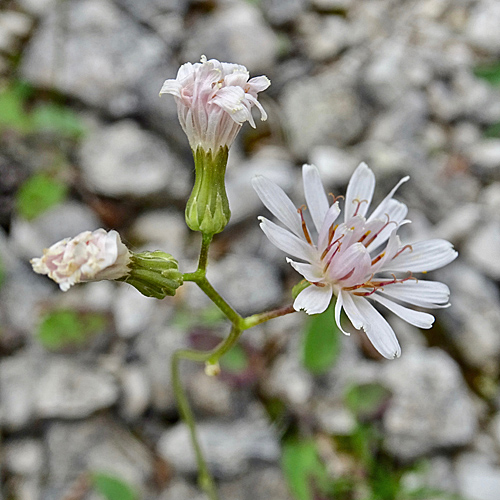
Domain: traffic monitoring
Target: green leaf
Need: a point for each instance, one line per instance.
(112, 488)
(366, 400)
(64, 327)
(301, 285)
(38, 194)
(493, 131)
(489, 72)
(12, 113)
(321, 342)
(304, 472)
(50, 117)
(235, 360)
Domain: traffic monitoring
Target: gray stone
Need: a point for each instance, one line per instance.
(485, 155)
(24, 457)
(93, 51)
(478, 479)
(249, 283)
(335, 165)
(98, 444)
(430, 407)
(136, 391)
(67, 389)
(327, 36)
(180, 490)
(472, 320)
(124, 160)
(237, 33)
(229, 447)
(211, 395)
(483, 248)
(460, 223)
(322, 110)
(17, 389)
(67, 219)
(482, 26)
(280, 13)
(13, 25)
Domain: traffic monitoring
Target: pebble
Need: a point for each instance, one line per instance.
(477, 478)
(483, 248)
(485, 156)
(124, 160)
(430, 406)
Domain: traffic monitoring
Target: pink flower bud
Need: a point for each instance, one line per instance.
(213, 100)
(90, 256)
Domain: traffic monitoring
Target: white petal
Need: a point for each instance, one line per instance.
(378, 331)
(351, 310)
(383, 208)
(338, 310)
(415, 318)
(360, 189)
(171, 87)
(423, 256)
(395, 213)
(230, 99)
(278, 203)
(316, 199)
(330, 218)
(259, 83)
(428, 294)
(287, 241)
(313, 299)
(311, 273)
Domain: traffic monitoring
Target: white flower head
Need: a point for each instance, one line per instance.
(358, 260)
(90, 256)
(213, 100)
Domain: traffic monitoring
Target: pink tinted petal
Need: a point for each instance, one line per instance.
(313, 299)
(316, 199)
(287, 241)
(354, 263)
(359, 191)
(258, 83)
(278, 203)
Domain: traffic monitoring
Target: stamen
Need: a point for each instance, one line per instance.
(330, 246)
(359, 202)
(377, 258)
(304, 226)
(317, 283)
(364, 236)
(402, 250)
(335, 198)
(389, 221)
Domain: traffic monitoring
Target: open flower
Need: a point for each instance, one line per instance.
(213, 100)
(90, 256)
(358, 260)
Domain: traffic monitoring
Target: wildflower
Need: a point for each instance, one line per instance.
(101, 255)
(90, 256)
(213, 100)
(356, 260)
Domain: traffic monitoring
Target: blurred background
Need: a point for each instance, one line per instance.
(299, 412)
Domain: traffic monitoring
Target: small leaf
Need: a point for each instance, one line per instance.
(301, 285)
(493, 131)
(112, 488)
(38, 194)
(50, 117)
(235, 360)
(304, 472)
(489, 72)
(321, 342)
(65, 327)
(366, 400)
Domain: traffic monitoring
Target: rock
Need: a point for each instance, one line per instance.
(483, 248)
(13, 25)
(280, 13)
(430, 406)
(237, 33)
(327, 36)
(136, 391)
(478, 479)
(459, 224)
(67, 219)
(124, 160)
(211, 395)
(92, 50)
(481, 28)
(333, 418)
(251, 283)
(485, 155)
(335, 165)
(162, 230)
(229, 447)
(180, 490)
(24, 457)
(67, 389)
(98, 445)
(17, 386)
(322, 110)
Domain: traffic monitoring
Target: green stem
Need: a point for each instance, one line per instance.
(206, 239)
